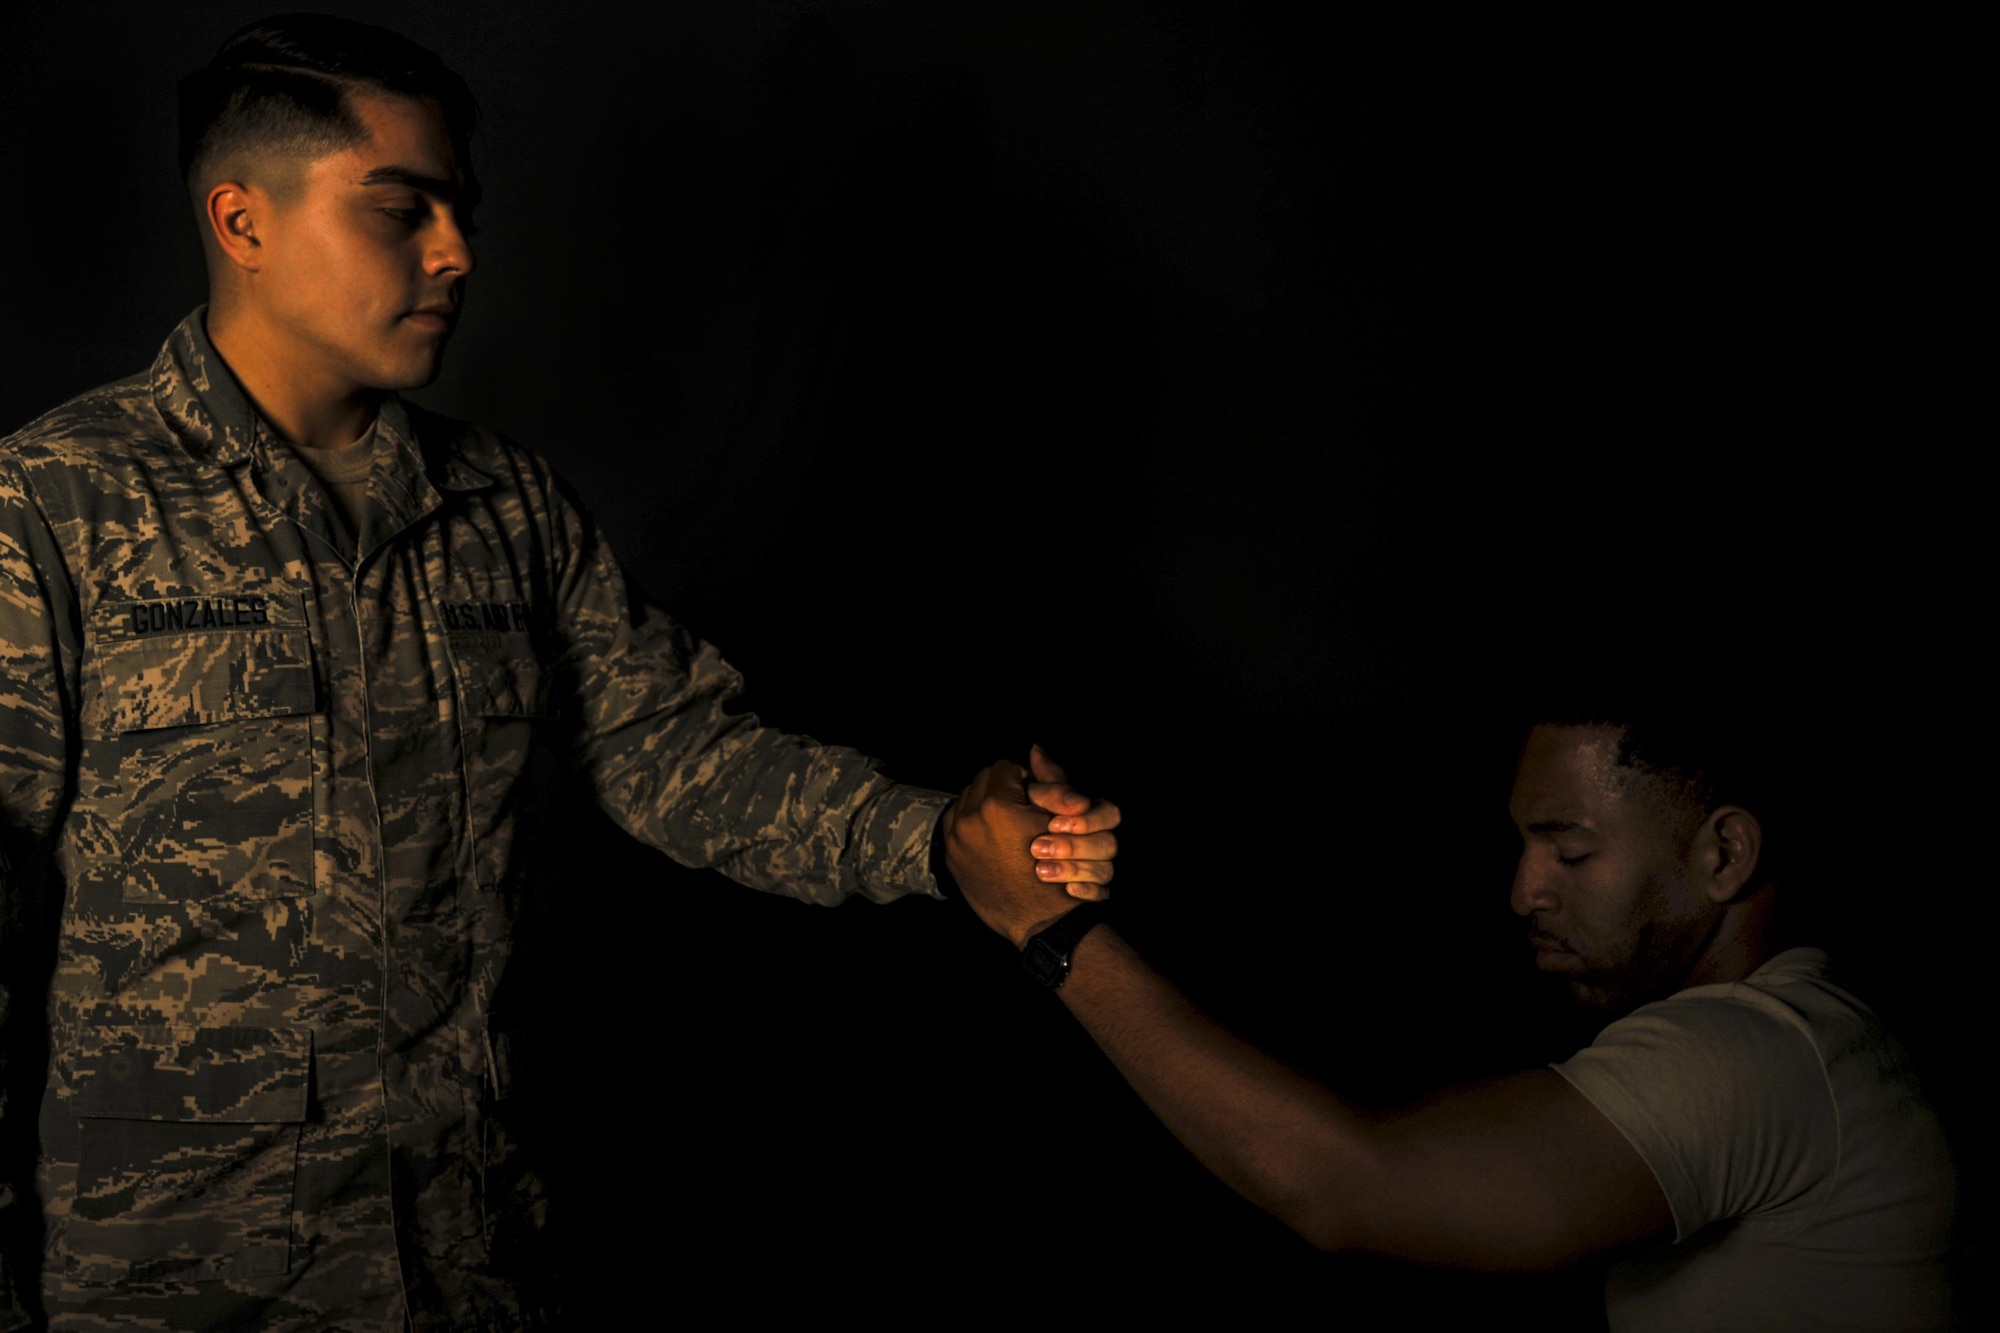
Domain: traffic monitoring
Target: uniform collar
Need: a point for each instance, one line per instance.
(199, 398)
(208, 412)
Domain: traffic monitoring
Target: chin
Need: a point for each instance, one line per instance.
(1586, 995)
(1615, 997)
(401, 379)
(1602, 997)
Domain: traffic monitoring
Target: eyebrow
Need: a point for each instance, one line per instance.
(1557, 826)
(447, 190)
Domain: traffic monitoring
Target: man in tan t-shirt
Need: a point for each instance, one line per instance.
(1743, 1140)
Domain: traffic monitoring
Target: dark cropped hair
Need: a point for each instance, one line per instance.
(284, 83)
(1737, 740)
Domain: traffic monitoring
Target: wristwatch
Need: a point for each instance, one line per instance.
(1047, 954)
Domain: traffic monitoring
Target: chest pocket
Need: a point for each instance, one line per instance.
(502, 689)
(219, 755)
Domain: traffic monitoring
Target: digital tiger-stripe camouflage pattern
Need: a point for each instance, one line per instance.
(284, 768)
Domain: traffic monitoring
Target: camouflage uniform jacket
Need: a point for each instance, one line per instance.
(285, 771)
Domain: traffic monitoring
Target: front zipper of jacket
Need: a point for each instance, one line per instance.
(382, 911)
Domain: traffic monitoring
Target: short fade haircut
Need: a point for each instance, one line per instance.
(283, 84)
(1708, 744)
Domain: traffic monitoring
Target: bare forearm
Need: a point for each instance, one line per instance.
(1517, 1173)
(1274, 1137)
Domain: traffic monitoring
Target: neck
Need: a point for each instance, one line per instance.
(292, 389)
(1743, 941)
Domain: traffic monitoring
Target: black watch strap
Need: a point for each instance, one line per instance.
(1047, 954)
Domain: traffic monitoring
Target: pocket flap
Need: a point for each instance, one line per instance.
(217, 1075)
(178, 682)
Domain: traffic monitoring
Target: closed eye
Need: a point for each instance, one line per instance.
(1576, 860)
(415, 217)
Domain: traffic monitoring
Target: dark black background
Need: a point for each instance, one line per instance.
(1242, 402)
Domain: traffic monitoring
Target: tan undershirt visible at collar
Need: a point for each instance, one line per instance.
(344, 472)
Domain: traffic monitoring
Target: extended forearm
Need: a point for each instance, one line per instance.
(1518, 1173)
(1281, 1141)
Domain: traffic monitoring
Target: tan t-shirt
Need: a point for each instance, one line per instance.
(1809, 1181)
(344, 472)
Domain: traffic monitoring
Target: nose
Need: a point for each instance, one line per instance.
(450, 252)
(1533, 892)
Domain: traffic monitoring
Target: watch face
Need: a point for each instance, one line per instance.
(1043, 962)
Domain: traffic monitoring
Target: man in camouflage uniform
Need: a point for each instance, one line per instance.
(276, 710)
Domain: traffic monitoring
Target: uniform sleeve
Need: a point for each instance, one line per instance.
(1725, 1099)
(38, 688)
(39, 643)
(654, 739)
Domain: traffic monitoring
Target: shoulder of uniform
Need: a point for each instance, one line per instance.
(484, 449)
(109, 421)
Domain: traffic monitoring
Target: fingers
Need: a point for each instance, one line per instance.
(1097, 818)
(1077, 850)
(1080, 862)
(1050, 788)
(1058, 798)
(1073, 872)
(1081, 847)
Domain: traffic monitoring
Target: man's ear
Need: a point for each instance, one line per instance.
(1734, 841)
(232, 211)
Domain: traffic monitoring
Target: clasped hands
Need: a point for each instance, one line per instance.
(1025, 846)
